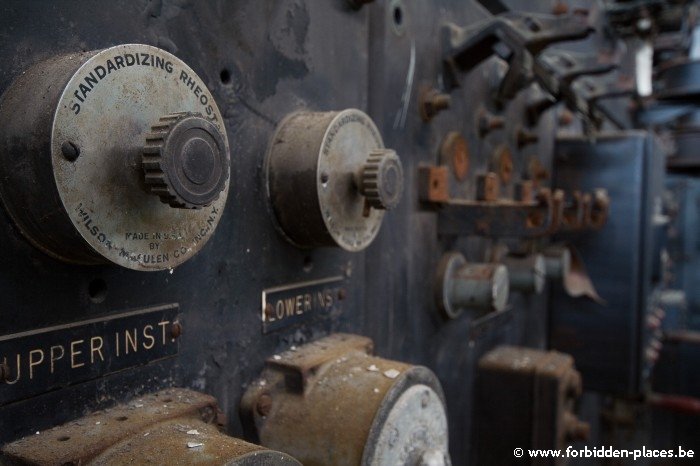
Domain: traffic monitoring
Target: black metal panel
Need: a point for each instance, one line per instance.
(605, 338)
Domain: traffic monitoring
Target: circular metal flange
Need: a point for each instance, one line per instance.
(447, 268)
(314, 172)
(410, 427)
(80, 195)
(411, 422)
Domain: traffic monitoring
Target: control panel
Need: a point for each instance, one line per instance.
(378, 232)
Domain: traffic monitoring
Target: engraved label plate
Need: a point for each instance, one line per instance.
(40, 360)
(297, 303)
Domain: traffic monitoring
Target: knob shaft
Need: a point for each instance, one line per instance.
(185, 161)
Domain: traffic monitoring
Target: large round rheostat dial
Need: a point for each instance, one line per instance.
(330, 179)
(115, 155)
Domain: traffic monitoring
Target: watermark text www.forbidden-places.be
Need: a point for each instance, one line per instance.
(606, 452)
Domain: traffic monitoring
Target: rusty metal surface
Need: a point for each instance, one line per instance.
(454, 152)
(174, 426)
(502, 217)
(82, 440)
(338, 413)
(189, 442)
(264, 59)
(536, 390)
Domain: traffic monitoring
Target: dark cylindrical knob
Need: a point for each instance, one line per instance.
(382, 179)
(185, 161)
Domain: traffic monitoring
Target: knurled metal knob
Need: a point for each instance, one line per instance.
(185, 161)
(382, 179)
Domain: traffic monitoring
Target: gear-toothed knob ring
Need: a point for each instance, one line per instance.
(382, 179)
(185, 161)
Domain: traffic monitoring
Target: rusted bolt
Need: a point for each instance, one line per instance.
(488, 122)
(70, 151)
(454, 151)
(342, 294)
(560, 8)
(431, 102)
(526, 137)
(264, 404)
(504, 164)
(176, 329)
(357, 4)
(487, 188)
(566, 117)
(433, 184)
(4, 372)
(538, 173)
(524, 192)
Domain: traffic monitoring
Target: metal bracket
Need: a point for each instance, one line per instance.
(533, 214)
(522, 38)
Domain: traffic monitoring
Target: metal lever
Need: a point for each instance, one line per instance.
(521, 36)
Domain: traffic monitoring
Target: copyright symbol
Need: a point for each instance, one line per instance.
(518, 452)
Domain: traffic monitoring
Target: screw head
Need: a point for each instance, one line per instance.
(176, 329)
(70, 151)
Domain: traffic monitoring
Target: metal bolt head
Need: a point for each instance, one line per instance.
(488, 122)
(342, 294)
(504, 164)
(176, 329)
(433, 102)
(525, 192)
(487, 187)
(454, 151)
(525, 138)
(560, 8)
(566, 117)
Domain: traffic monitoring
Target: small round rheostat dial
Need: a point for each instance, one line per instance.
(330, 179)
(185, 161)
(117, 155)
